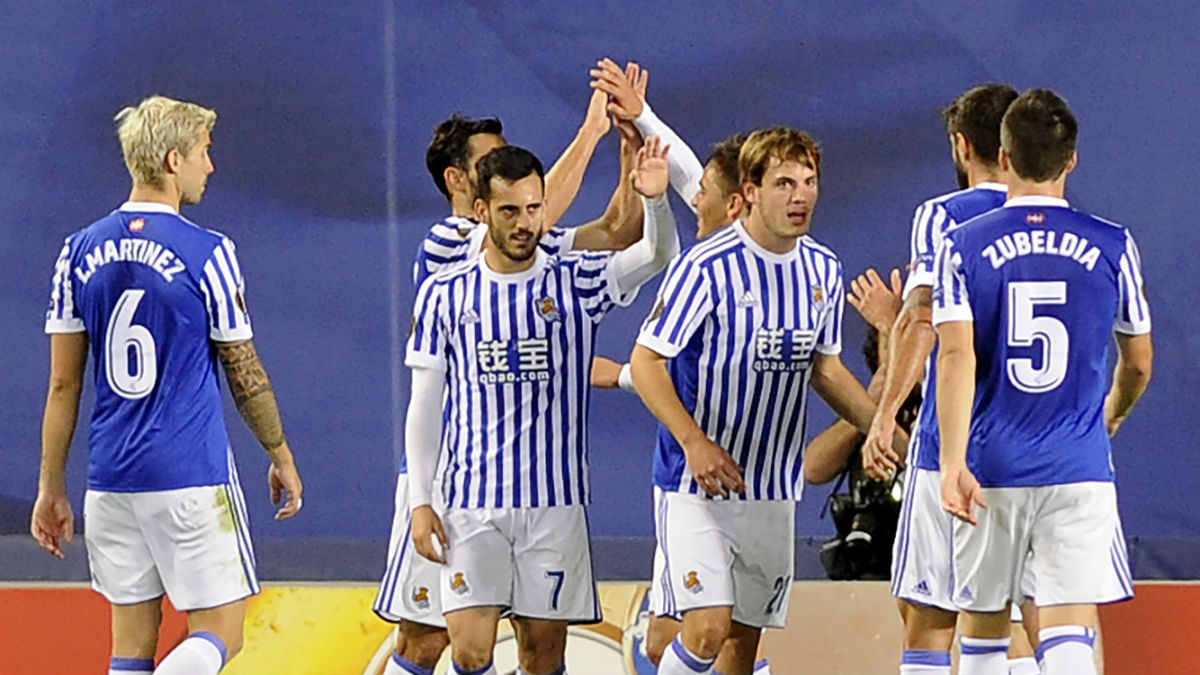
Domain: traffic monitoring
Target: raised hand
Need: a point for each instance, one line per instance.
(53, 522)
(621, 87)
(425, 526)
(877, 304)
(651, 175)
(596, 121)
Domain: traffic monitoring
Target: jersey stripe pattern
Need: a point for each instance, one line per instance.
(151, 289)
(457, 241)
(1046, 286)
(517, 352)
(931, 222)
(740, 326)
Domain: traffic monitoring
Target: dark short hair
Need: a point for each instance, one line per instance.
(976, 114)
(451, 145)
(510, 164)
(725, 158)
(1039, 133)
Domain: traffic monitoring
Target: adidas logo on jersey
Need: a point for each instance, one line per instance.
(922, 589)
(966, 594)
(747, 300)
(468, 316)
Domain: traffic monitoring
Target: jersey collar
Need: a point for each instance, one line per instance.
(740, 227)
(540, 258)
(998, 187)
(1036, 200)
(147, 207)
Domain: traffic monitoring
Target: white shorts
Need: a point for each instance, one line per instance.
(921, 553)
(191, 543)
(411, 586)
(1074, 533)
(534, 562)
(658, 600)
(727, 553)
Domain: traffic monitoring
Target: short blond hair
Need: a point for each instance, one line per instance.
(156, 126)
(782, 143)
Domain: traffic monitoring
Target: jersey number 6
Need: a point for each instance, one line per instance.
(129, 353)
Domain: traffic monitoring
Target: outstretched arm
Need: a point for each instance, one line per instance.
(564, 178)
(635, 265)
(53, 520)
(621, 224)
(627, 91)
(255, 401)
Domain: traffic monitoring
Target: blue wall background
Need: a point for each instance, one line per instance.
(325, 112)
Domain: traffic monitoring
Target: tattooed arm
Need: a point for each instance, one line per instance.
(255, 400)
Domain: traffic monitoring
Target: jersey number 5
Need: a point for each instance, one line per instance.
(130, 357)
(1025, 329)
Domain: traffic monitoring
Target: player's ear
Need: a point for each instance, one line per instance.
(1005, 163)
(1072, 163)
(962, 147)
(750, 190)
(172, 161)
(481, 211)
(455, 178)
(734, 205)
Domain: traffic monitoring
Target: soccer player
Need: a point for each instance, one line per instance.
(159, 301)
(921, 554)
(409, 593)
(714, 193)
(1026, 300)
(743, 322)
(511, 338)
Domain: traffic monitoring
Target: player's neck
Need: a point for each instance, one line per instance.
(1018, 187)
(461, 206)
(764, 237)
(500, 263)
(978, 174)
(146, 193)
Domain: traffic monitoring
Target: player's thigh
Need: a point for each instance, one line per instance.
(921, 552)
(1079, 554)
(200, 539)
(479, 561)
(410, 589)
(119, 557)
(698, 552)
(762, 533)
(541, 643)
(472, 635)
(552, 562)
(135, 629)
(988, 558)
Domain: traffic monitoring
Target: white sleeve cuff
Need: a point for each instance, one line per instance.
(951, 313)
(658, 345)
(239, 334)
(75, 325)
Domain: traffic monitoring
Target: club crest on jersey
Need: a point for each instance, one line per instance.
(420, 597)
(458, 584)
(548, 310)
(1035, 218)
(691, 581)
(818, 294)
(137, 224)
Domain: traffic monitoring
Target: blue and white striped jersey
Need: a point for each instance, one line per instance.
(740, 325)
(1045, 286)
(457, 241)
(931, 222)
(151, 289)
(517, 352)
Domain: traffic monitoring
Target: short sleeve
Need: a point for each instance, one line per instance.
(427, 337)
(62, 316)
(829, 335)
(950, 299)
(225, 295)
(684, 301)
(558, 240)
(929, 223)
(1133, 312)
(596, 289)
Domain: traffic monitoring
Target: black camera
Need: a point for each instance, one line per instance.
(865, 518)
